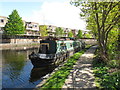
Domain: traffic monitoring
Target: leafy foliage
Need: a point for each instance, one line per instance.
(102, 18)
(14, 25)
(70, 34)
(113, 63)
(43, 30)
(87, 35)
(103, 77)
(112, 43)
(79, 35)
(59, 32)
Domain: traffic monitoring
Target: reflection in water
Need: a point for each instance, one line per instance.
(13, 61)
(17, 70)
(37, 73)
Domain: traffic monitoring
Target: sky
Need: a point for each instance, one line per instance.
(49, 12)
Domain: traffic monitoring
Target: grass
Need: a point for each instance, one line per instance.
(58, 78)
(106, 77)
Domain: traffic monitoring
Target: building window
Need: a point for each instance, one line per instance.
(2, 20)
(35, 25)
(50, 26)
(29, 26)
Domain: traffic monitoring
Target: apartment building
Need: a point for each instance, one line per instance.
(66, 30)
(3, 21)
(31, 33)
(75, 32)
(51, 30)
(32, 29)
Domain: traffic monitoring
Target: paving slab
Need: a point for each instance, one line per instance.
(82, 77)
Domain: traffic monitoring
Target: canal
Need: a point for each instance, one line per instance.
(17, 70)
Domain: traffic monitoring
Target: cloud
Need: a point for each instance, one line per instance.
(59, 14)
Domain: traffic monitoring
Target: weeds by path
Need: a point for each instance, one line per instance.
(105, 76)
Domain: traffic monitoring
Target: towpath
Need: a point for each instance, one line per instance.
(82, 75)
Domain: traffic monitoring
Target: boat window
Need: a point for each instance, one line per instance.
(70, 44)
(63, 46)
(44, 47)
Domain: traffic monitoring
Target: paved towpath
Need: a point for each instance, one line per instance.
(82, 75)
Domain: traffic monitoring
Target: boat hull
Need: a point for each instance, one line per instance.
(41, 62)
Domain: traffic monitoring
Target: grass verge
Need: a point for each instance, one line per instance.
(106, 77)
(58, 78)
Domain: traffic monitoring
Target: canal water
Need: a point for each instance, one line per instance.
(17, 70)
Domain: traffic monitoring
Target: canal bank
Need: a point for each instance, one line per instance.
(19, 46)
(28, 44)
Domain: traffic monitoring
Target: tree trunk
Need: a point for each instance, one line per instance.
(103, 53)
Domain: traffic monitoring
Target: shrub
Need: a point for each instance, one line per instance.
(105, 76)
(113, 63)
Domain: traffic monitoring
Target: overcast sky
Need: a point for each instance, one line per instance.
(50, 12)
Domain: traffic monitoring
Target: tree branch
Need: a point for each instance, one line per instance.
(114, 19)
(96, 16)
(110, 8)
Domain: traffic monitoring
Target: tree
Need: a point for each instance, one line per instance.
(87, 35)
(43, 30)
(70, 34)
(59, 32)
(101, 17)
(15, 25)
(79, 35)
